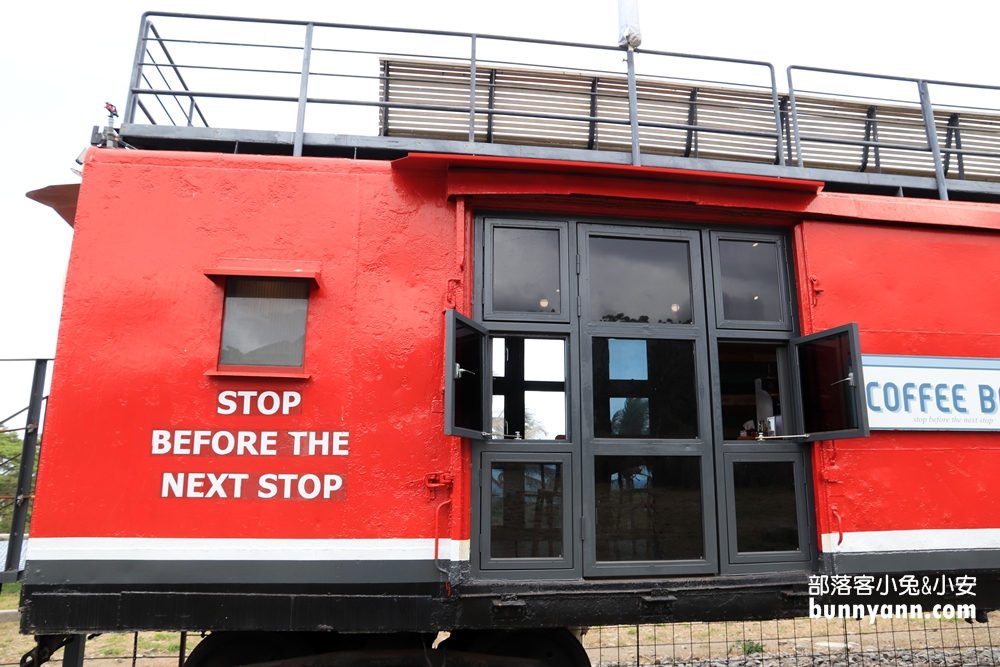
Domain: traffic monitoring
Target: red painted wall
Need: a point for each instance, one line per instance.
(141, 326)
(923, 292)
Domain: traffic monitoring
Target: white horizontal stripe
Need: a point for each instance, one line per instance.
(194, 549)
(948, 539)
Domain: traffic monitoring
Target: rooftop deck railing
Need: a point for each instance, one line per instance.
(254, 85)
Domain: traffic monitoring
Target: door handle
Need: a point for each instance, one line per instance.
(459, 371)
(849, 379)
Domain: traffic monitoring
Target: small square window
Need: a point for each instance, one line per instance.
(527, 269)
(751, 284)
(264, 322)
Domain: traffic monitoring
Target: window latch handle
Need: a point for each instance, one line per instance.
(459, 371)
(849, 379)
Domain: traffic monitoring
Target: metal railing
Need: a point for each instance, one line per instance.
(20, 501)
(330, 89)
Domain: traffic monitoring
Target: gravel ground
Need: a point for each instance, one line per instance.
(931, 657)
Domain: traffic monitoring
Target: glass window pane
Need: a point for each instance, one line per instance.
(499, 357)
(526, 510)
(526, 270)
(264, 323)
(766, 518)
(544, 359)
(640, 280)
(531, 389)
(827, 395)
(627, 359)
(499, 422)
(749, 386)
(644, 388)
(750, 286)
(648, 508)
(468, 386)
(545, 415)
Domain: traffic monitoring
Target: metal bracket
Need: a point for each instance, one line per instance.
(436, 480)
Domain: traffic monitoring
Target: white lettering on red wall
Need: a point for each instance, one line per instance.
(323, 448)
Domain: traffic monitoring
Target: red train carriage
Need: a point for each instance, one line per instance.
(676, 383)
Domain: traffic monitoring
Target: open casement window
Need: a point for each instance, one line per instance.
(466, 378)
(831, 388)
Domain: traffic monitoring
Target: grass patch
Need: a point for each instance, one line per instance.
(10, 596)
(750, 647)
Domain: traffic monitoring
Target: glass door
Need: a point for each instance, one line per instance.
(648, 479)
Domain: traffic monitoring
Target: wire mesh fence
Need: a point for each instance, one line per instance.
(799, 642)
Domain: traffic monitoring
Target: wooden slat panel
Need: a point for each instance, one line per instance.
(568, 94)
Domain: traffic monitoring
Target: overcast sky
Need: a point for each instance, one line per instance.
(61, 61)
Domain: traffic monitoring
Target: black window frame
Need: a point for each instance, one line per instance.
(566, 307)
(454, 320)
(527, 567)
(538, 384)
(857, 383)
(707, 329)
(786, 323)
(763, 561)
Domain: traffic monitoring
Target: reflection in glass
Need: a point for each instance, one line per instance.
(526, 510)
(750, 287)
(468, 387)
(639, 280)
(526, 270)
(629, 417)
(825, 369)
(264, 323)
(529, 396)
(766, 518)
(646, 390)
(648, 508)
(627, 359)
(751, 400)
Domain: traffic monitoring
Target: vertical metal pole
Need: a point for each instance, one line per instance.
(472, 92)
(633, 108)
(384, 125)
(795, 120)
(777, 115)
(140, 50)
(300, 121)
(183, 649)
(26, 471)
(932, 140)
(73, 652)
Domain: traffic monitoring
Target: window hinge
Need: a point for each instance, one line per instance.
(583, 528)
(578, 306)
(577, 263)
